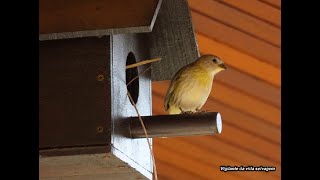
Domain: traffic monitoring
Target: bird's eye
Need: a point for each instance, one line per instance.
(214, 60)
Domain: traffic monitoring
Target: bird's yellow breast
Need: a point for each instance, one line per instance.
(192, 90)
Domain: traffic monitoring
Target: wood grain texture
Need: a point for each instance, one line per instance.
(244, 122)
(68, 84)
(205, 160)
(96, 166)
(246, 36)
(256, 68)
(246, 103)
(238, 100)
(172, 39)
(123, 147)
(257, 9)
(237, 39)
(252, 86)
(238, 20)
(273, 3)
(243, 141)
(69, 19)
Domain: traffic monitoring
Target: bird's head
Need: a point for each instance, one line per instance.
(212, 63)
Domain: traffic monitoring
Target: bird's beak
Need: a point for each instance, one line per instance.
(222, 66)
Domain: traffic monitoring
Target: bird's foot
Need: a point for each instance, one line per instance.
(187, 112)
(200, 111)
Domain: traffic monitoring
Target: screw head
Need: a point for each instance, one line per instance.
(99, 129)
(100, 77)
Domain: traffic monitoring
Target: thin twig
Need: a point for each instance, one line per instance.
(142, 63)
(145, 132)
(138, 76)
(142, 124)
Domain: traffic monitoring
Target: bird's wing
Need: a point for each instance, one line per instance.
(172, 87)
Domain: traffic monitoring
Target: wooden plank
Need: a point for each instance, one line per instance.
(262, 147)
(274, 3)
(238, 101)
(167, 171)
(95, 166)
(249, 85)
(257, 9)
(237, 39)
(252, 143)
(252, 66)
(73, 103)
(69, 19)
(172, 39)
(238, 20)
(220, 148)
(170, 171)
(246, 103)
(123, 147)
(229, 115)
(188, 163)
(204, 156)
(245, 122)
(67, 151)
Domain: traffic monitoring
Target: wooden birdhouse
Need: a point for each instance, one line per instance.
(84, 48)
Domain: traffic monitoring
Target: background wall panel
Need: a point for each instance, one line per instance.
(247, 36)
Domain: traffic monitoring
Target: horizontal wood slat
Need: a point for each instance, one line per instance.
(232, 57)
(245, 103)
(238, 20)
(241, 120)
(213, 160)
(236, 39)
(176, 158)
(250, 143)
(273, 3)
(244, 121)
(257, 9)
(250, 85)
(246, 35)
(169, 171)
(238, 101)
(69, 16)
(222, 148)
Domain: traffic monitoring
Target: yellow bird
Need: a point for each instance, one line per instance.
(191, 85)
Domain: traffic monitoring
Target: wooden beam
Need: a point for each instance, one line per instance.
(93, 166)
(70, 19)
